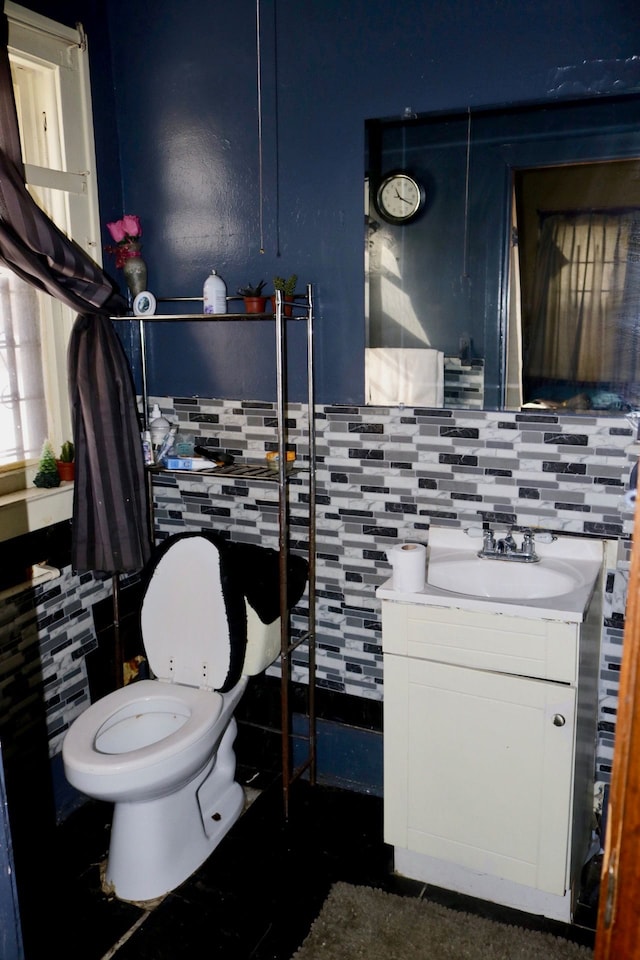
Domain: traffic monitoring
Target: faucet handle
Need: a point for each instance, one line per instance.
(488, 539)
(528, 539)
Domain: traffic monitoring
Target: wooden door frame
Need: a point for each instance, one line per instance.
(618, 928)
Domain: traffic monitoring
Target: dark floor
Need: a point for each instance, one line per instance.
(255, 897)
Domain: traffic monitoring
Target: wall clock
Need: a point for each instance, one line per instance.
(400, 197)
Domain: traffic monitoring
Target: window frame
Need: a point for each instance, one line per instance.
(36, 39)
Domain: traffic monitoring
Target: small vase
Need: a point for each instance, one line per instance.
(135, 270)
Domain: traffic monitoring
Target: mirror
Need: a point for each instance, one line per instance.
(517, 280)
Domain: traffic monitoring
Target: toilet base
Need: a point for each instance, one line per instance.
(156, 845)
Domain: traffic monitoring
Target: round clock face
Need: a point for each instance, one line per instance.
(399, 197)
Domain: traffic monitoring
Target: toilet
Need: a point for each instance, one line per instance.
(162, 749)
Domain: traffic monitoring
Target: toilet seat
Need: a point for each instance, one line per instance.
(185, 747)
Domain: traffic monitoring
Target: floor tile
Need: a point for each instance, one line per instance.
(256, 896)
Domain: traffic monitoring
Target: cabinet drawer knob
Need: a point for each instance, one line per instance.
(558, 720)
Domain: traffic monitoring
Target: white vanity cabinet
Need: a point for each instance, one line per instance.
(489, 742)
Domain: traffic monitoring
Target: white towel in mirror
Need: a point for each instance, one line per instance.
(412, 376)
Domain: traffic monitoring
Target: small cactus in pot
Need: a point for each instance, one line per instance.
(287, 287)
(66, 462)
(67, 452)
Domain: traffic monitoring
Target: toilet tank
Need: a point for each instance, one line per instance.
(263, 643)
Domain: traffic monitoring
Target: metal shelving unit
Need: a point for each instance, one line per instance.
(300, 309)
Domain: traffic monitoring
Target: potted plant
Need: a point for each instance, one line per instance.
(47, 475)
(254, 302)
(66, 464)
(288, 289)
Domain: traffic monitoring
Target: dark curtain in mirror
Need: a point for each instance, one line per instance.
(582, 337)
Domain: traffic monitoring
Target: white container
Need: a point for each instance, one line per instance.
(214, 294)
(159, 427)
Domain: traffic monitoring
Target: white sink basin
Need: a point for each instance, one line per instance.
(504, 579)
(559, 586)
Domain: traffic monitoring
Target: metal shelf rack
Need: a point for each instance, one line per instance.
(298, 309)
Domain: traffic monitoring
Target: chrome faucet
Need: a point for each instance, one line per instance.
(506, 548)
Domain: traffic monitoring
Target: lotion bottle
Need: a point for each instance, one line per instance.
(214, 294)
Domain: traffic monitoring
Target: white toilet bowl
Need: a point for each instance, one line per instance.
(162, 750)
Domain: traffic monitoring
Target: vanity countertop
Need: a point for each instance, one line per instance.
(584, 556)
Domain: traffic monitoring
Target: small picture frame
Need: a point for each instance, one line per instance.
(144, 304)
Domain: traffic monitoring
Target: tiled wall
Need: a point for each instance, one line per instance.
(463, 383)
(382, 476)
(45, 634)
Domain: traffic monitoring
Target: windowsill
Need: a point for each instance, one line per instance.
(31, 508)
(40, 573)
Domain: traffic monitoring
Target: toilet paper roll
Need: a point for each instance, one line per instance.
(409, 566)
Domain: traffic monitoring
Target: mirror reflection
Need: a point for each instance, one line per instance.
(516, 282)
(575, 291)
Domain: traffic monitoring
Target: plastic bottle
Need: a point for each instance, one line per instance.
(214, 294)
(159, 427)
(147, 447)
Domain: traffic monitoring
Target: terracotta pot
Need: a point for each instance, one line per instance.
(66, 471)
(255, 304)
(287, 307)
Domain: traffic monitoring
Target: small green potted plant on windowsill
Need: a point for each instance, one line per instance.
(254, 301)
(66, 464)
(288, 288)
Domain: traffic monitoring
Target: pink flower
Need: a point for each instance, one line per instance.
(126, 233)
(126, 229)
(117, 231)
(132, 226)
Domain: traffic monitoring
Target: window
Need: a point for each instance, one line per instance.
(51, 84)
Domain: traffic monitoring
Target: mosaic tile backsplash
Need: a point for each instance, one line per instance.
(383, 475)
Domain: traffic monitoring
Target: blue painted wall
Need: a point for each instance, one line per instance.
(185, 138)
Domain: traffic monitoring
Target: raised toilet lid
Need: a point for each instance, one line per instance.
(184, 618)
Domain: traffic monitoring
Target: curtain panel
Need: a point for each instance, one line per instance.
(585, 317)
(110, 517)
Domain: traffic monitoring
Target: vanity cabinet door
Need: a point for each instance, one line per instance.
(478, 769)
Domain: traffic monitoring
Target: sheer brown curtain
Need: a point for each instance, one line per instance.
(585, 318)
(110, 517)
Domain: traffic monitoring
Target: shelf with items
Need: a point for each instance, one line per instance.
(248, 471)
(302, 310)
(299, 303)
